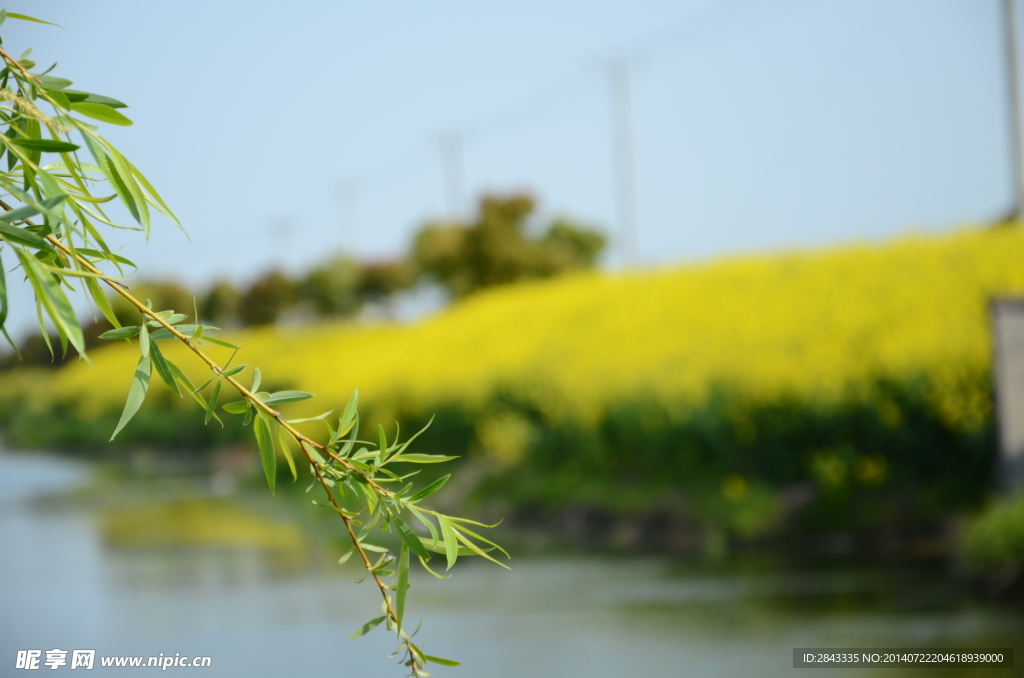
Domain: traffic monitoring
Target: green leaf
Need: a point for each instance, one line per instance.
(23, 236)
(441, 661)
(403, 581)
(3, 310)
(126, 332)
(136, 394)
(367, 627)
(109, 256)
(59, 98)
(160, 363)
(23, 17)
(286, 397)
(430, 489)
(265, 441)
(101, 301)
(477, 550)
(236, 407)
(256, 376)
(427, 568)
(51, 82)
(234, 370)
(169, 318)
(182, 378)
(451, 543)
(143, 339)
(52, 297)
(110, 172)
(45, 145)
(421, 458)
(441, 547)
(3, 293)
(220, 342)
(410, 539)
(422, 517)
(383, 441)
(319, 417)
(211, 407)
(282, 440)
(100, 112)
(76, 95)
(348, 417)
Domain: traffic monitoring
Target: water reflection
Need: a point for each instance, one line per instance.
(204, 576)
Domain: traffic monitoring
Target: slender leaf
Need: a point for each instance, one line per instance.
(255, 380)
(100, 112)
(136, 394)
(23, 236)
(367, 627)
(421, 458)
(101, 301)
(441, 661)
(76, 95)
(144, 339)
(220, 342)
(24, 17)
(451, 543)
(403, 581)
(106, 165)
(409, 538)
(286, 397)
(427, 568)
(319, 417)
(422, 517)
(160, 363)
(477, 550)
(211, 407)
(169, 318)
(265, 441)
(126, 332)
(234, 370)
(45, 145)
(430, 489)
(282, 440)
(48, 291)
(348, 416)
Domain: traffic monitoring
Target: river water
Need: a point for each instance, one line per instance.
(200, 576)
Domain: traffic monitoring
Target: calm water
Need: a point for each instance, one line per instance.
(202, 577)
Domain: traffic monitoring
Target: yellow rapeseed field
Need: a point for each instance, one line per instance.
(807, 324)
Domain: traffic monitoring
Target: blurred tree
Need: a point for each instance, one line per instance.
(494, 249)
(221, 303)
(162, 294)
(332, 289)
(379, 280)
(266, 298)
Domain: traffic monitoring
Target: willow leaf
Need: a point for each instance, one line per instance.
(136, 393)
(265, 441)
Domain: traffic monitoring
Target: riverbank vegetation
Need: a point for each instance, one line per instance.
(840, 389)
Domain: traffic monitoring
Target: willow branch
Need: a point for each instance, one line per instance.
(247, 394)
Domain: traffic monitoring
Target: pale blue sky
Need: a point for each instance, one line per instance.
(761, 126)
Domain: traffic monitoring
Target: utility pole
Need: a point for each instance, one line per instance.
(622, 150)
(1010, 22)
(451, 156)
(280, 238)
(348, 222)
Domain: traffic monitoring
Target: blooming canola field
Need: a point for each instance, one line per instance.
(811, 325)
